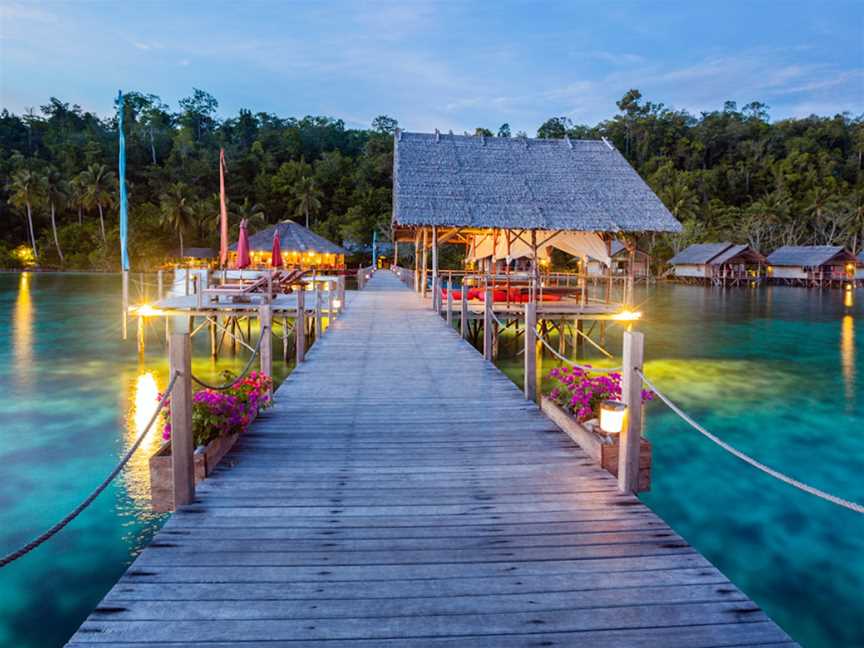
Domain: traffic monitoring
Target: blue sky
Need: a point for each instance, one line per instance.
(450, 65)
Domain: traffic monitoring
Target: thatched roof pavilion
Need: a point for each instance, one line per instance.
(518, 191)
(300, 246)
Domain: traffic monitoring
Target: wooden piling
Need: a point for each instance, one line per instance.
(265, 317)
(463, 311)
(182, 446)
(631, 390)
(488, 305)
(285, 355)
(300, 326)
(450, 302)
(213, 348)
(436, 295)
(531, 351)
(140, 335)
(318, 323)
(329, 303)
(341, 293)
(425, 261)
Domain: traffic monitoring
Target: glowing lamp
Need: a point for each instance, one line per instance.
(146, 310)
(337, 303)
(627, 316)
(612, 415)
(368, 276)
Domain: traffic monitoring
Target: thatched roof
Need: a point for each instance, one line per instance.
(809, 255)
(293, 237)
(521, 183)
(699, 253)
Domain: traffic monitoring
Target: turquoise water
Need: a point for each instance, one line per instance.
(74, 396)
(779, 373)
(776, 371)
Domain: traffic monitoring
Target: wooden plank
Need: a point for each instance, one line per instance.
(428, 505)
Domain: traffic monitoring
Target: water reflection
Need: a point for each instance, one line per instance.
(145, 394)
(847, 357)
(22, 323)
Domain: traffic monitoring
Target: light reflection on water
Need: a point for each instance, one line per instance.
(22, 325)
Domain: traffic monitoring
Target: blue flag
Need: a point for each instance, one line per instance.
(374, 248)
(124, 216)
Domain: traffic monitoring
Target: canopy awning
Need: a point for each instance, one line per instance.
(578, 244)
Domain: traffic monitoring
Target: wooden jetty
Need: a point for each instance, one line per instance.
(402, 492)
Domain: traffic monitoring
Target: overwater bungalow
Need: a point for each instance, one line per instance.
(301, 248)
(816, 266)
(621, 262)
(506, 198)
(721, 264)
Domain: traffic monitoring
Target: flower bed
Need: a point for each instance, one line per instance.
(219, 417)
(573, 404)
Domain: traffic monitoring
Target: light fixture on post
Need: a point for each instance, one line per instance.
(612, 415)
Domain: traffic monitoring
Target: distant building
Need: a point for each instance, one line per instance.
(300, 247)
(621, 262)
(721, 264)
(812, 265)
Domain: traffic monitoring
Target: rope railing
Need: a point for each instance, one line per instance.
(242, 374)
(56, 528)
(776, 474)
(575, 364)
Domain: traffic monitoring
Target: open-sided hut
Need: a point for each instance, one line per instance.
(812, 265)
(518, 193)
(722, 264)
(301, 248)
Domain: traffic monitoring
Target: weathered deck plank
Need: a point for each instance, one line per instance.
(403, 493)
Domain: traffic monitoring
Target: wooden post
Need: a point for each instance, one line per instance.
(631, 390)
(450, 303)
(425, 261)
(212, 327)
(330, 284)
(416, 262)
(160, 288)
(182, 447)
(436, 291)
(579, 347)
(436, 297)
(341, 293)
(463, 310)
(300, 326)
(487, 323)
(318, 323)
(265, 317)
(285, 339)
(125, 290)
(531, 351)
(396, 254)
(584, 281)
(186, 280)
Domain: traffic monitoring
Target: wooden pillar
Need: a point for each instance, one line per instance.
(125, 299)
(396, 253)
(182, 447)
(631, 273)
(562, 337)
(584, 281)
(160, 288)
(580, 339)
(300, 326)
(450, 302)
(265, 317)
(341, 293)
(463, 310)
(416, 261)
(212, 327)
(425, 262)
(360, 278)
(318, 323)
(285, 355)
(330, 303)
(531, 351)
(488, 305)
(631, 390)
(436, 297)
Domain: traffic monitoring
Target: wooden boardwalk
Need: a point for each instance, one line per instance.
(402, 493)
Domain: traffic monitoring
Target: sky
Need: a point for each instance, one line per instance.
(446, 65)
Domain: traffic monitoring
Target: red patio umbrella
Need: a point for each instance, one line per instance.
(276, 254)
(243, 247)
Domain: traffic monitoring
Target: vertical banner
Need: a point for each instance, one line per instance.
(374, 248)
(124, 208)
(223, 213)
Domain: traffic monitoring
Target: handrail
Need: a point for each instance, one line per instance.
(575, 364)
(56, 528)
(242, 374)
(776, 474)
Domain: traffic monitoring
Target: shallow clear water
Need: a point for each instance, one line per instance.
(776, 371)
(779, 373)
(73, 396)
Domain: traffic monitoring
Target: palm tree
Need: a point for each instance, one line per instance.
(56, 192)
(76, 197)
(307, 197)
(252, 212)
(177, 212)
(25, 190)
(99, 184)
(855, 220)
(680, 200)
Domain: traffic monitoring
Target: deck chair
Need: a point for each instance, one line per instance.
(237, 292)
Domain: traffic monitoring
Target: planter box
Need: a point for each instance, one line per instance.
(601, 448)
(205, 461)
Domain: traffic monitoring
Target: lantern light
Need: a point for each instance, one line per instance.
(612, 416)
(337, 303)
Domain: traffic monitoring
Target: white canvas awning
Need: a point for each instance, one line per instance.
(578, 244)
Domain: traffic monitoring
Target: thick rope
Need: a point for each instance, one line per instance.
(242, 375)
(47, 535)
(812, 490)
(575, 364)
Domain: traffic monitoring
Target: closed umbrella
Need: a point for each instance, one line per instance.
(243, 247)
(276, 254)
